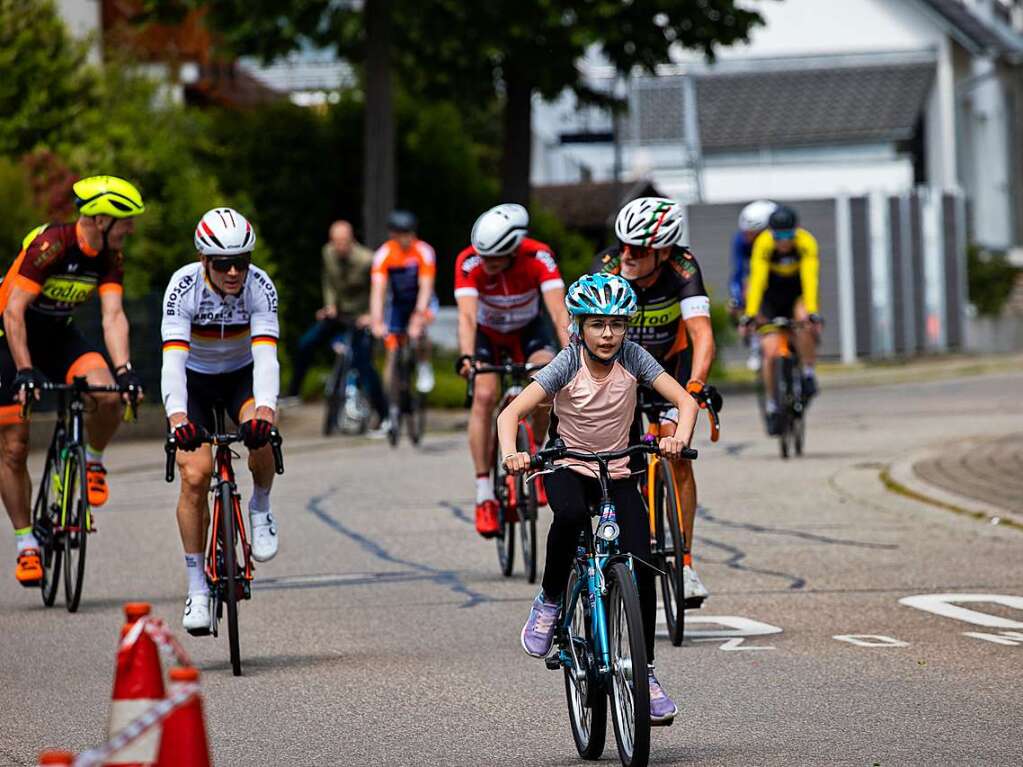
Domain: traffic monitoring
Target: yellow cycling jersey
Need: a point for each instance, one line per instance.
(768, 268)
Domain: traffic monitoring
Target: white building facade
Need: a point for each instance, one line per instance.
(828, 99)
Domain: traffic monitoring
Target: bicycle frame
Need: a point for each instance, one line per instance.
(224, 473)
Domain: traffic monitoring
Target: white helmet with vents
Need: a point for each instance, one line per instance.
(224, 232)
(754, 217)
(654, 222)
(498, 231)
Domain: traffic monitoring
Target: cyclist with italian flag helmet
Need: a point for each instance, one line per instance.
(593, 386)
(58, 269)
(672, 322)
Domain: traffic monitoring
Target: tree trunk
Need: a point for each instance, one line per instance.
(378, 162)
(517, 154)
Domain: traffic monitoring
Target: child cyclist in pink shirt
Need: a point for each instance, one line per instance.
(593, 384)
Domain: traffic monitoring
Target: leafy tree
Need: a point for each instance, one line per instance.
(509, 49)
(46, 83)
(18, 205)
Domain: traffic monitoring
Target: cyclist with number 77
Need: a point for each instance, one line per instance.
(593, 385)
(220, 333)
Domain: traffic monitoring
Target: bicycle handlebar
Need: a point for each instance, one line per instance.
(518, 371)
(223, 440)
(543, 457)
(80, 386)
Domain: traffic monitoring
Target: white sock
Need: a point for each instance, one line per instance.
(196, 574)
(771, 406)
(25, 539)
(808, 371)
(484, 489)
(92, 455)
(260, 500)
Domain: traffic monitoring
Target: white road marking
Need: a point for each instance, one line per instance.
(870, 640)
(1010, 638)
(947, 606)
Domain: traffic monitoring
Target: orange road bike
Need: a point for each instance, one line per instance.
(664, 503)
(229, 555)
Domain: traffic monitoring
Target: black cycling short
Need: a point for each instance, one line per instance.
(57, 348)
(517, 346)
(206, 391)
(780, 297)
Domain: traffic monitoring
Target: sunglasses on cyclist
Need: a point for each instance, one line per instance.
(224, 263)
(617, 326)
(640, 251)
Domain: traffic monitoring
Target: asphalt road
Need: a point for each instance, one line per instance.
(384, 634)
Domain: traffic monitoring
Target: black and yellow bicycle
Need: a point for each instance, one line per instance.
(61, 516)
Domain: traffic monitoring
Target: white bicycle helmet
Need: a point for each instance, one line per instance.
(655, 222)
(224, 232)
(498, 231)
(754, 217)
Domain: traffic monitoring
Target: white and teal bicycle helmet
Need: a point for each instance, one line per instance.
(607, 295)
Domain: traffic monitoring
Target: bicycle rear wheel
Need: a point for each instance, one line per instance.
(229, 578)
(629, 692)
(587, 703)
(75, 521)
(50, 546)
(527, 508)
(671, 545)
(416, 418)
(783, 397)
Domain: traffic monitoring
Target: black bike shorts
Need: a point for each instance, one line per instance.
(208, 391)
(518, 346)
(58, 350)
(780, 297)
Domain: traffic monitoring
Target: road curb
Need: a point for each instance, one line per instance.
(900, 478)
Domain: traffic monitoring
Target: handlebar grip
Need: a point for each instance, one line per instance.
(171, 447)
(275, 445)
(689, 454)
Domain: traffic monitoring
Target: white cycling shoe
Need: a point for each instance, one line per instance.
(264, 535)
(196, 620)
(424, 378)
(692, 586)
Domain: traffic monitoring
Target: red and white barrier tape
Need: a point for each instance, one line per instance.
(168, 645)
(138, 726)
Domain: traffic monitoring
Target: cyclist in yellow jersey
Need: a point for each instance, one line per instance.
(783, 282)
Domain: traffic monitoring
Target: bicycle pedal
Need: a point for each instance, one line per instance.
(552, 661)
(663, 723)
(693, 603)
(203, 632)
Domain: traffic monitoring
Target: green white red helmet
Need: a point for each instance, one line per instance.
(653, 222)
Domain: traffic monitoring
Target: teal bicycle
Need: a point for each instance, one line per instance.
(600, 640)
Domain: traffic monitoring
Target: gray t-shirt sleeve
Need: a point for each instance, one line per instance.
(640, 363)
(559, 371)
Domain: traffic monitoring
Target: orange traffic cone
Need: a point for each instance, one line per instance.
(56, 758)
(184, 742)
(138, 685)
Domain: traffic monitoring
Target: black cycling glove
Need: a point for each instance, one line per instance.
(28, 379)
(129, 380)
(189, 436)
(255, 433)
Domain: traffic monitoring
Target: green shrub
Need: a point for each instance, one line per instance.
(20, 210)
(991, 279)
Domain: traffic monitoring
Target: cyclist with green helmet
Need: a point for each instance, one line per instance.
(57, 269)
(592, 384)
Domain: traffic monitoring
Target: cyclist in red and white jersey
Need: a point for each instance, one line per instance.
(499, 282)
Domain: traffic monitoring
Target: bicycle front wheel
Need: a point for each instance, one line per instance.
(629, 691)
(51, 547)
(587, 702)
(335, 394)
(505, 539)
(671, 547)
(527, 507)
(229, 580)
(74, 512)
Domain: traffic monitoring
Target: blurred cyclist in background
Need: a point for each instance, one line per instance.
(753, 220)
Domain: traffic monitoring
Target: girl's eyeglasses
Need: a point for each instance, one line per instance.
(616, 326)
